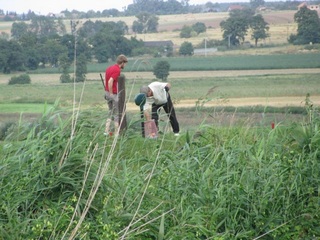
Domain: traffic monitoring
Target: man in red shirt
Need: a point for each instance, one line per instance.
(111, 88)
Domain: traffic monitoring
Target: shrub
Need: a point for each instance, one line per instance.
(21, 79)
(186, 48)
(161, 70)
(65, 78)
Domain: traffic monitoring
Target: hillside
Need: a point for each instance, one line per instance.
(281, 25)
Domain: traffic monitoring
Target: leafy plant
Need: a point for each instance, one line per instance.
(161, 70)
(64, 180)
(21, 79)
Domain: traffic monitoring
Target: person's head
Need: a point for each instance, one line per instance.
(122, 60)
(146, 90)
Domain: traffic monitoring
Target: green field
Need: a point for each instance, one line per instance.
(242, 61)
(61, 178)
(233, 173)
(91, 93)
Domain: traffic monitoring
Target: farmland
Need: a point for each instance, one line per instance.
(245, 166)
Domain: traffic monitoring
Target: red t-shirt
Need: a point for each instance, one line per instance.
(114, 72)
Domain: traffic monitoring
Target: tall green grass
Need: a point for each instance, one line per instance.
(236, 182)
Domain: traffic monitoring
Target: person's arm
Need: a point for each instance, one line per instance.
(147, 115)
(146, 109)
(110, 85)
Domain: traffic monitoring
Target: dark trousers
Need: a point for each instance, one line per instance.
(169, 109)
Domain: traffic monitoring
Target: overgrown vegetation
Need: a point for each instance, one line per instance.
(21, 79)
(61, 178)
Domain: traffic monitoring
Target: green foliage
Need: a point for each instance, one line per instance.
(210, 43)
(19, 29)
(146, 23)
(81, 68)
(21, 79)
(186, 48)
(199, 27)
(256, 3)
(236, 26)
(11, 56)
(44, 26)
(108, 41)
(161, 70)
(155, 7)
(308, 27)
(259, 28)
(235, 182)
(64, 65)
(264, 86)
(307, 134)
(186, 32)
(137, 27)
(5, 128)
(65, 78)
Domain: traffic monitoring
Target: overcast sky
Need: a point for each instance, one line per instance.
(56, 6)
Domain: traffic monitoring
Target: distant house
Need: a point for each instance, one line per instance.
(311, 7)
(301, 5)
(262, 9)
(235, 7)
(56, 15)
(158, 43)
(314, 7)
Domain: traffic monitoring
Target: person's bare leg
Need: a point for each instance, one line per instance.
(107, 128)
(116, 128)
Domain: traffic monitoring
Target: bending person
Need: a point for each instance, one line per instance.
(155, 96)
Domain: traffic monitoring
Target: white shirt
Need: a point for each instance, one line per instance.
(159, 95)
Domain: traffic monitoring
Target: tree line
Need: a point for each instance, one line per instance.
(44, 41)
(155, 7)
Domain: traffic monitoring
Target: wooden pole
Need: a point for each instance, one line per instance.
(122, 100)
(142, 121)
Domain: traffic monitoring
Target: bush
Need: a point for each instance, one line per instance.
(21, 79)
(161, 70)
(65, 78)
(312, 47)
(186, 48)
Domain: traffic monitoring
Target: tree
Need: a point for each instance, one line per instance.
(44, 26)
(259, 28)
(148, 22)
(157, 7)
(30, 46)
(186, 48)
(51, 50)
(81, 68)
(186, 32)
(308, 27)
(199, 27)
(18, 30)
(11, 56)
(109, 41)
(161, 70)
(152, 24)
(64, 65)
(21, 79)
(256, 3)
(236, 26)
(137, 27)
